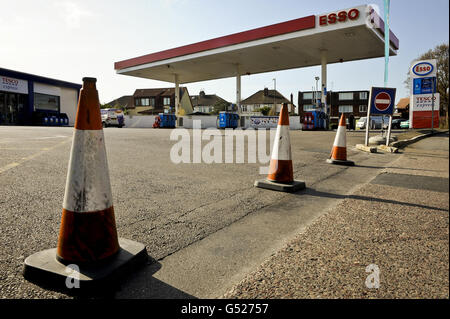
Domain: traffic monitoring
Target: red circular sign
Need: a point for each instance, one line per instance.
(382, 101)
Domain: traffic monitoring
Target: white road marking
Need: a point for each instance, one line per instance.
(25, 159)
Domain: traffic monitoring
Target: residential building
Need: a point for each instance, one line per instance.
(265, 98)
(348, 102)
(122, 102)
(205, 103)
(402, 107)
(160, 100)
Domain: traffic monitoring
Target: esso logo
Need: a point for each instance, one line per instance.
(423, 68)
(341, 16)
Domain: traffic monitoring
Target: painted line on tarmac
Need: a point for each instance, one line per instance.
(28, 158)
(48, 137)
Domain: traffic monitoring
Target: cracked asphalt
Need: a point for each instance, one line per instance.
(168, 207)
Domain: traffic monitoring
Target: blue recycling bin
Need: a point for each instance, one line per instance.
(64, 119)
(167, 120)
(228, 120)
(319, 119)
(46, 120)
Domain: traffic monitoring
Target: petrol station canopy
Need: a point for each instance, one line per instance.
(344, 35)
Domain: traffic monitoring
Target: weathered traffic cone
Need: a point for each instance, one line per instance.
(281, 173)
(88, 236)
(339, 152)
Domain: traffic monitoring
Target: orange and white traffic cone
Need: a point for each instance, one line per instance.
(88, 235)
(281, 173)
(339, 152)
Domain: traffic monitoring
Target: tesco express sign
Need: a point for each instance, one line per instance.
(340, 16)
(422, 68)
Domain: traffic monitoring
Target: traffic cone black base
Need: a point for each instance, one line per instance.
(290, 187)
(339, 162)
(44, 269)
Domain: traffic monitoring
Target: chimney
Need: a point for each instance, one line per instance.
(266, 92)
(202, 93)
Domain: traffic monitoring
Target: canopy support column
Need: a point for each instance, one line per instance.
(323, 55)
(238, 89)
(177, 96)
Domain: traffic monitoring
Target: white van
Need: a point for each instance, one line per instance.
(376, 122)
(112, 117)
(361, 123)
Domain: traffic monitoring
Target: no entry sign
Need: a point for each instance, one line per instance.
(382, 100)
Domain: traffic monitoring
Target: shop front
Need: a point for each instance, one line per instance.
(24, 95)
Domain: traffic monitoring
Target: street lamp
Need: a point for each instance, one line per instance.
(317, 92)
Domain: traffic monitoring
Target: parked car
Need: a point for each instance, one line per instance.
(404, 124)
(112, 117)
(396, 123)
(376, 122)
(361, 124)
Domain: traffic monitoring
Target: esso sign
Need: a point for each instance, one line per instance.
(341, 16)
(422, 69)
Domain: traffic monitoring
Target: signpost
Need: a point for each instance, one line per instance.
(423, 94)
(381, 102)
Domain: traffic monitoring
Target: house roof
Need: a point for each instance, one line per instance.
(157, 92)
(206, 99)
(123, 101)
(260, 98)
(403, 103)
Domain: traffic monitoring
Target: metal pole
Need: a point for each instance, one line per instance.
(366, 141)
(432, 105)
(316, 101)
(177, 98)
(387, 4)
(323, 61)
(389, 131)
(238, 89)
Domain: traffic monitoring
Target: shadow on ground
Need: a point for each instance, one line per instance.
(313, 192)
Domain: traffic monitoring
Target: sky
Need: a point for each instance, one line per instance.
(72, 39)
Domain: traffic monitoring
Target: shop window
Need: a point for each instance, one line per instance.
(46, 102)
(345, 108)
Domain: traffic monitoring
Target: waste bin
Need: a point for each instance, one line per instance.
(228, 120)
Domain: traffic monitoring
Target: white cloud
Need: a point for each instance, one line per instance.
(73, 13)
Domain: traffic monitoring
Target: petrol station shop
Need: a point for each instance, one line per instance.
(23, 97)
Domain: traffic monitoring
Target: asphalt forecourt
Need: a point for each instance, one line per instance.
(166, 206)
(389, 239)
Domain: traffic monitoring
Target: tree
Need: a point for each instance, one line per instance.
(220, 106)
(265, 110)
(440, 53)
